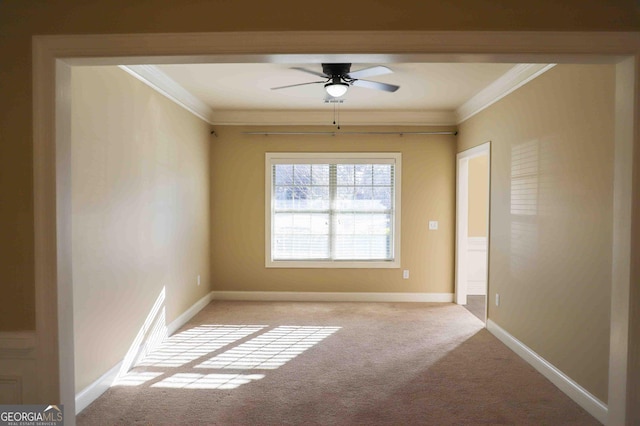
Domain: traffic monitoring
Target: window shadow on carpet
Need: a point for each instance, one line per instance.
(203, 357)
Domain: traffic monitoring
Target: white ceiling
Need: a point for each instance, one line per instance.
(423, 86)
(430, 94)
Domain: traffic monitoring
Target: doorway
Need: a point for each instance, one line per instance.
(53, 56)
(472, 229)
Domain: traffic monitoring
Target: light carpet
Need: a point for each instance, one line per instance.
(302, 363)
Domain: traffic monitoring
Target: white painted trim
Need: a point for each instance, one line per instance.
(477, 243)
(325, 117)
(188, 314)
(462, 218)
(62, 239)
(476, 151)
(330, 46)
(621, 320)
(159, 81)
(51, 338)
(294, 296)
(580, 395)
(510, 81)
(462, 229)
(477, 261)
(92, 392)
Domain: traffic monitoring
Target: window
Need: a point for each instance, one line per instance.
(336, 210)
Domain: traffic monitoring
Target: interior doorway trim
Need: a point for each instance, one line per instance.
(53, 57)
(462, 219)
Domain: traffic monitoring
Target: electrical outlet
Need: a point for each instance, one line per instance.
(433, 225)
(198, 279)
(405, 274)
(497, 299)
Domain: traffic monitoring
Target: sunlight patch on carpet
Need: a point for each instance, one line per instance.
(136, 378)
(206, 381)
(270, 350)
(189, 345)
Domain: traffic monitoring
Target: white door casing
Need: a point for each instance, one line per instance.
(462, 218)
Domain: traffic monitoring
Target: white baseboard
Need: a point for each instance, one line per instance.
(188, 314)
(580, 395)
(89, 394)
(294, 296)
(100, 386)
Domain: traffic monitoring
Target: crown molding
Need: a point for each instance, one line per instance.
(510, 81)
(324, 117)
(165, 85)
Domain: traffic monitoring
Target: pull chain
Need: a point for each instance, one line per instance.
(336, 114)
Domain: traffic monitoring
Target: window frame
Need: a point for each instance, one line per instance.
(272, 158)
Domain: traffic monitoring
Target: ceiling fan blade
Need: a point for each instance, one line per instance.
(370, 72)
(376, 85)
(295, 85)
(316, 73)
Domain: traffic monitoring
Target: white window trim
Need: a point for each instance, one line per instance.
(280, 157)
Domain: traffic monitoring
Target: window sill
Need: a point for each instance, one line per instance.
(333, 264)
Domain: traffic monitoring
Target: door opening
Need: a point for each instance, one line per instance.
(472, 229)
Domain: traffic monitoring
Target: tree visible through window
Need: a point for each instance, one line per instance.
(337, 209)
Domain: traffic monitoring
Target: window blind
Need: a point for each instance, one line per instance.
(333, 210)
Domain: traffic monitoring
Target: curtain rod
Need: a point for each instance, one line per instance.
(350, 133)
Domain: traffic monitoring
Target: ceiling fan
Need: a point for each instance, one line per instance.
(338, 78)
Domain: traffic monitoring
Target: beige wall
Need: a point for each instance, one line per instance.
(550, 252)
(478, 195)
(238, 209)
(140, 197)
(20, 20)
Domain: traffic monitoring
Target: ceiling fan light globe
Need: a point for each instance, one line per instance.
(336, 90)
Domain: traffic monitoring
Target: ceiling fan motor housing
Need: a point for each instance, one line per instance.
(336, 70)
